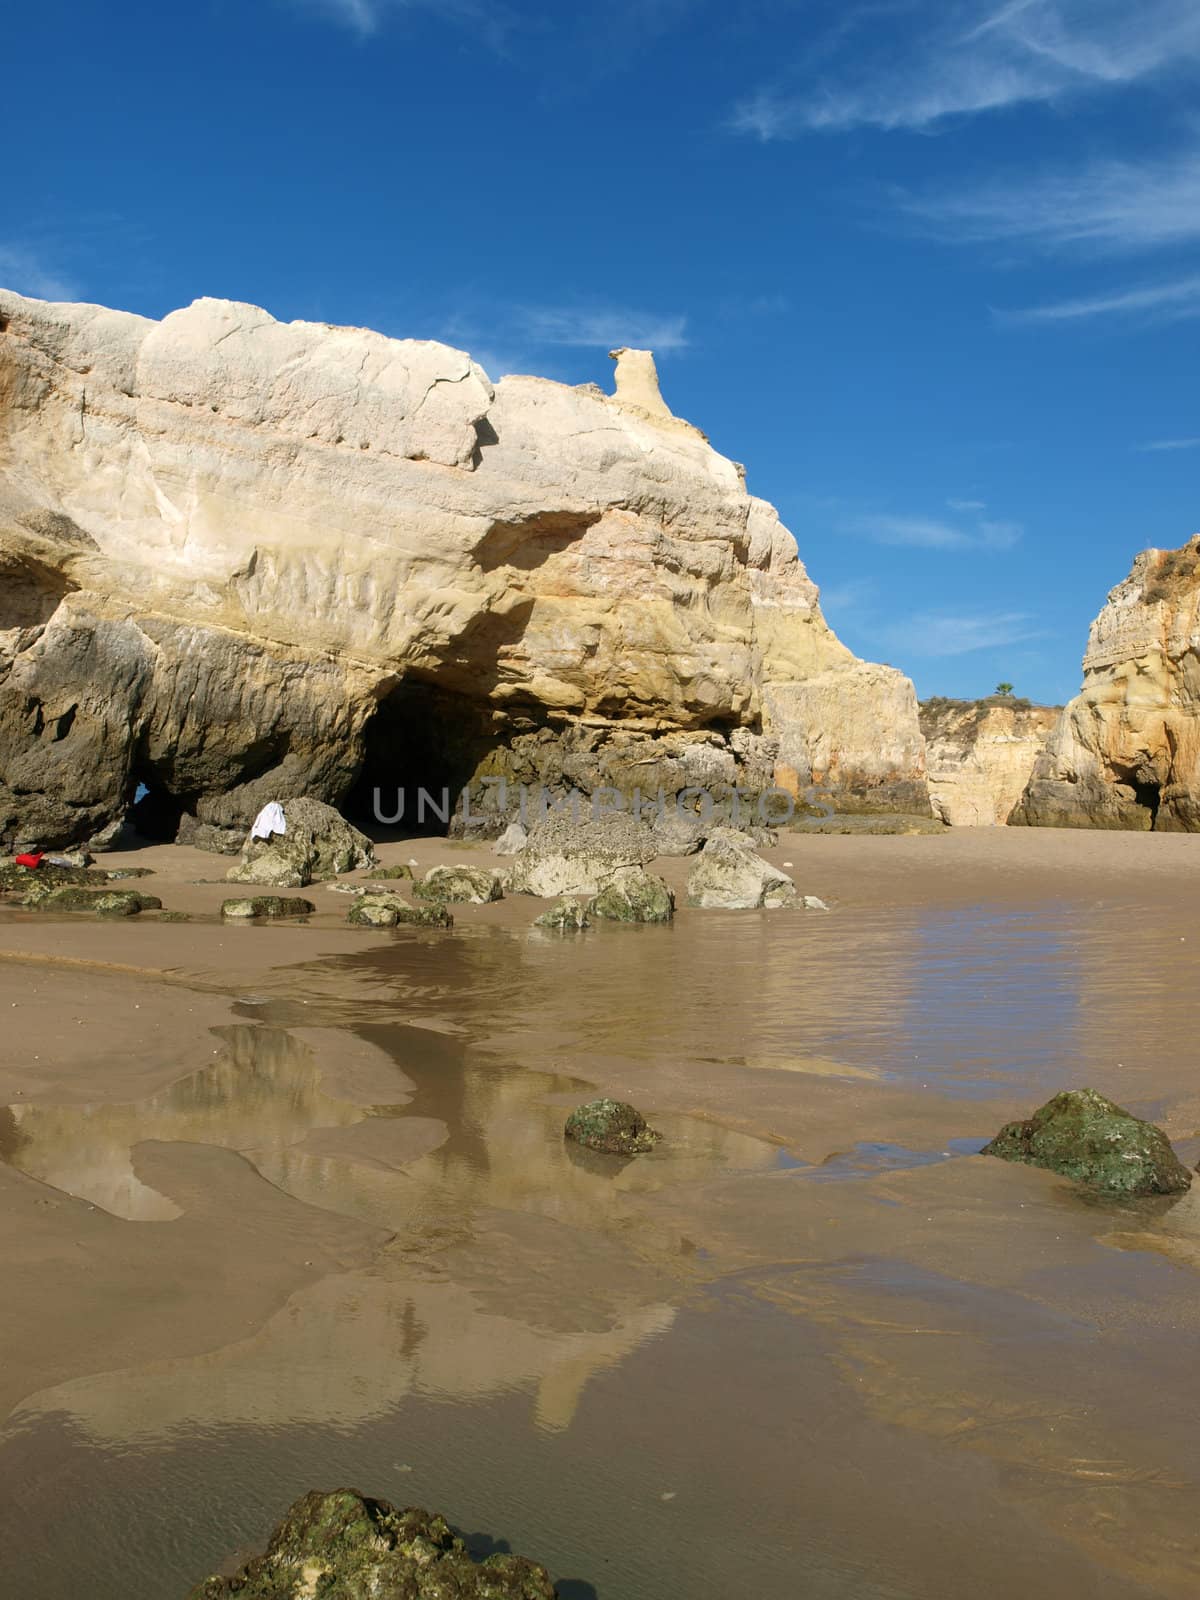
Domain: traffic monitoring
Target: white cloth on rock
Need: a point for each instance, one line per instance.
(268, 821)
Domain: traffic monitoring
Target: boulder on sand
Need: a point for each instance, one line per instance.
(266, 905)
(1086, 1137)
(349, 1547)
(613, 1126)
(319, 843)
(568, 855)
(459, 885)
(731, 875)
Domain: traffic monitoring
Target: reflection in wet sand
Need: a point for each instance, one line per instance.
(821, 1333)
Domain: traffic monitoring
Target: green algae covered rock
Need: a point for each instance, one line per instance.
(20, 880)
(612, 1126)
(103, 903)
(267, 905)
(459, 885)
(400, 871)
(568, 916)
(634, 895)
(1086, 1137)
(390, 911)
(125, 903)
(343, 1546)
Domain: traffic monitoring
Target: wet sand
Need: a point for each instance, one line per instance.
(289, 1206)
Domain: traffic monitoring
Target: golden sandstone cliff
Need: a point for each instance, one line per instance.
(979, 755)
(241, 560)
(1126, 751)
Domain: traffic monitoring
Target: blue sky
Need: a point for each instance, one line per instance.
(930, 268)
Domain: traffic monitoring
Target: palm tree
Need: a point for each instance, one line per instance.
(1003, 688)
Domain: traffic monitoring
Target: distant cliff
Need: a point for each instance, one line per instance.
(242, 560)
(979, 755)
(1126, 750)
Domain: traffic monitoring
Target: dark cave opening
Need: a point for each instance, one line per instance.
(421, 747)
(154, 811)
(1148, 795)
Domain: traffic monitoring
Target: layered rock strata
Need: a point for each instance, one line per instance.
(241, 560)
(1125, 752)
(979, 755)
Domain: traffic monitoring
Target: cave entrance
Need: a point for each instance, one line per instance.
(154, 811)
(1148, 795)
(421, 747)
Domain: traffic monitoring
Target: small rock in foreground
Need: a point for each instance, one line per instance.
(568, 916)
(459, 886)
(389, 910)
(267, 905)
(1083, 1136)
(634, 895)
(352, 1548)
(612, 1126)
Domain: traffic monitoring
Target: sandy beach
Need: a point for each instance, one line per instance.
(289, 1204)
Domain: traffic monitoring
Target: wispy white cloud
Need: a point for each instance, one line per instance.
(1106, 205)
(1163, 301)
(964, 57)
(365, 17)
(23, 270)
(602, 326)
(967, 505)
(1171, 444)
(934, 533)
(934, 633)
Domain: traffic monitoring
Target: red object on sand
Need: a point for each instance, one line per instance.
(32, 861)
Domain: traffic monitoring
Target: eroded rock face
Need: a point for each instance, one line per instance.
(1125, 753)
(346, 1545)
(980, 755)
(239, 558)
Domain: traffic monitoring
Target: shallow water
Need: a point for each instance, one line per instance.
(813, 1345)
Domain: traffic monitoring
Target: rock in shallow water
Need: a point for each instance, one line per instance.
(344, 1546)
(568, 916)
(634, 895)
(1084, 1136)
(389, 910)
(612, 1126)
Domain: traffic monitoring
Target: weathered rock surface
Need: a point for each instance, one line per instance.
(390, 910)
(206, 836)
(241, 559)
(1086, 1137)
(348, 1547)
(567, 856)
(568, 916)
(730, 875)
(633, 895)
(266, 906)
(612, 1126)
(1125, 753)
(319, 843)
(980, 755)
(459, 885)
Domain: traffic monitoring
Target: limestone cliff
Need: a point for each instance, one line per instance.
(979, 755)
(241, 559)
(1126, 751)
